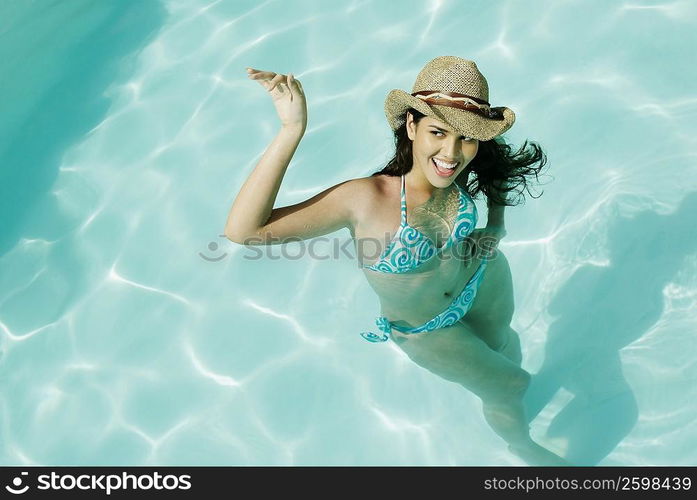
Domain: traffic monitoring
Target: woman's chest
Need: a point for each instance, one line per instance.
(426, 228)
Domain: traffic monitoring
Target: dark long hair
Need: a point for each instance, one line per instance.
(502, 175)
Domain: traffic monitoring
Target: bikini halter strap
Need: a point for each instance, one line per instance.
(403, 205)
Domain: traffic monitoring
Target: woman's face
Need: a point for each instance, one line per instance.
(436, 148)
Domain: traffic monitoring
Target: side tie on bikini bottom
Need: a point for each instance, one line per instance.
(454, 313)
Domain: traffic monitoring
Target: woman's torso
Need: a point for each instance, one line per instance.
(414, 297)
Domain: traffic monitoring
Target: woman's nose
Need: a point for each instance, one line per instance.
(450, 150)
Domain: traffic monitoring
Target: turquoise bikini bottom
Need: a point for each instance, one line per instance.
(454, 313)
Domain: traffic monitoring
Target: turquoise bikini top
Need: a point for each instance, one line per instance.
(410, 248)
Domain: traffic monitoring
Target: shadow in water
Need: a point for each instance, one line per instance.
(600, 310)
(58, 58)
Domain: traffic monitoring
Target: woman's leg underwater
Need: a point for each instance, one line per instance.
(511, 346)
(455, 353)
(463, 354)
(490, 319)
(492, 311)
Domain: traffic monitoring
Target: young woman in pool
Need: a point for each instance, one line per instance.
(447, 305)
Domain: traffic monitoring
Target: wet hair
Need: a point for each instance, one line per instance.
(499, 173)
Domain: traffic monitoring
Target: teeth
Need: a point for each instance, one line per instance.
(442, 164)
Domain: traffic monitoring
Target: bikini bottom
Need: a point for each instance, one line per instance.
(454, 313)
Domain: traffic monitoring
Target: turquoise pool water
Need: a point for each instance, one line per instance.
(132, 333)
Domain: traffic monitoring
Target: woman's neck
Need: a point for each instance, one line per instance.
(421, 187)
(418, 184)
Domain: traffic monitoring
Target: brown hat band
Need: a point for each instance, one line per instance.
(460, 101)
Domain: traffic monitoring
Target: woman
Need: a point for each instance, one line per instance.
(430, 269)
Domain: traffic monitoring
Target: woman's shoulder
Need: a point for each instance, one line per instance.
(364, 195)
(371, 189)
(376, 186)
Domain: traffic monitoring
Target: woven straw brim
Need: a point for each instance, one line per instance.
(465, 122)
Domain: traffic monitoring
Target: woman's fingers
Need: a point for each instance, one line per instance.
(263, 77)
(278, 79)
(270, 81)
(297, 86)
(291, 86)
(258, 72)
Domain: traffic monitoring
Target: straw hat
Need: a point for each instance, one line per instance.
(452, 90)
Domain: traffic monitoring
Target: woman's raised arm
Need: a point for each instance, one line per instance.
(252, 218)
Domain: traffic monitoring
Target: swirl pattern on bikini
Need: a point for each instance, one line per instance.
(454, 313)
(410, 248)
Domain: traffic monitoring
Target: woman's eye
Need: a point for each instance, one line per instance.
(437, 132)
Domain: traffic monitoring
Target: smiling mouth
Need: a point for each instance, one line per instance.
(444, 169)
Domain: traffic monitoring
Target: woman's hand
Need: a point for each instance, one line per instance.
(287, 94)
(483, 242)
